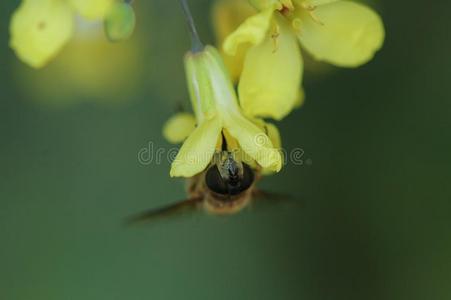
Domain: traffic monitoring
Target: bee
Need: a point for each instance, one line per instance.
(226, 187)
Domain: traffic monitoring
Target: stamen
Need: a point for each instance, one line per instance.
(275, 35)
(310, 9)
(315, 18)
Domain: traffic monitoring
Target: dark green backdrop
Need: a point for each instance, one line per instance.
(376, 199)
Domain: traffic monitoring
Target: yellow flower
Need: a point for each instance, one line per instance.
(40, 28)
(227, 16)
(179, 127)
(266, 45)
(91, 9)
(218, 116)
(89, 74)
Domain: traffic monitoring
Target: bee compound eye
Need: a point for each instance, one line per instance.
(216, 183)
(248, 177)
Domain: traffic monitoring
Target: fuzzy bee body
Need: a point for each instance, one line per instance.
(223, 195)
(225, 187)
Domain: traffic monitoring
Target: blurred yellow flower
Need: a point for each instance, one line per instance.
(218, 116)
(266, 45)
(40, 28)
(119, 22)
(90, 69)
(91, 9)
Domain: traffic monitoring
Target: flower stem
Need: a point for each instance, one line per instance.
(196, 44)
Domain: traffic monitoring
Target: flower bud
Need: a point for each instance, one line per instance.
(209, 84)
(119, 22)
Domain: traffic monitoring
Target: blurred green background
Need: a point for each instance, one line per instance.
(374, 220)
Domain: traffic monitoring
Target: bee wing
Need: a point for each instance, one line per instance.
(165, 211)
(272, 198)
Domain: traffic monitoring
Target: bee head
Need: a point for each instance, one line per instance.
(229, 177)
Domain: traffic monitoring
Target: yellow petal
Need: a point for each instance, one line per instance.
(274, 135)
(350, 34)
(271, 131)
(231, 142)
(252, 32)
(198, 149)
(92, 9)
(313, 3)
(264, 4)
(243, 157)
(208, 82)
(227, 15)
(179, 127)
(253, 141)
(272, 75)
(300, 98)
(39, 29)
